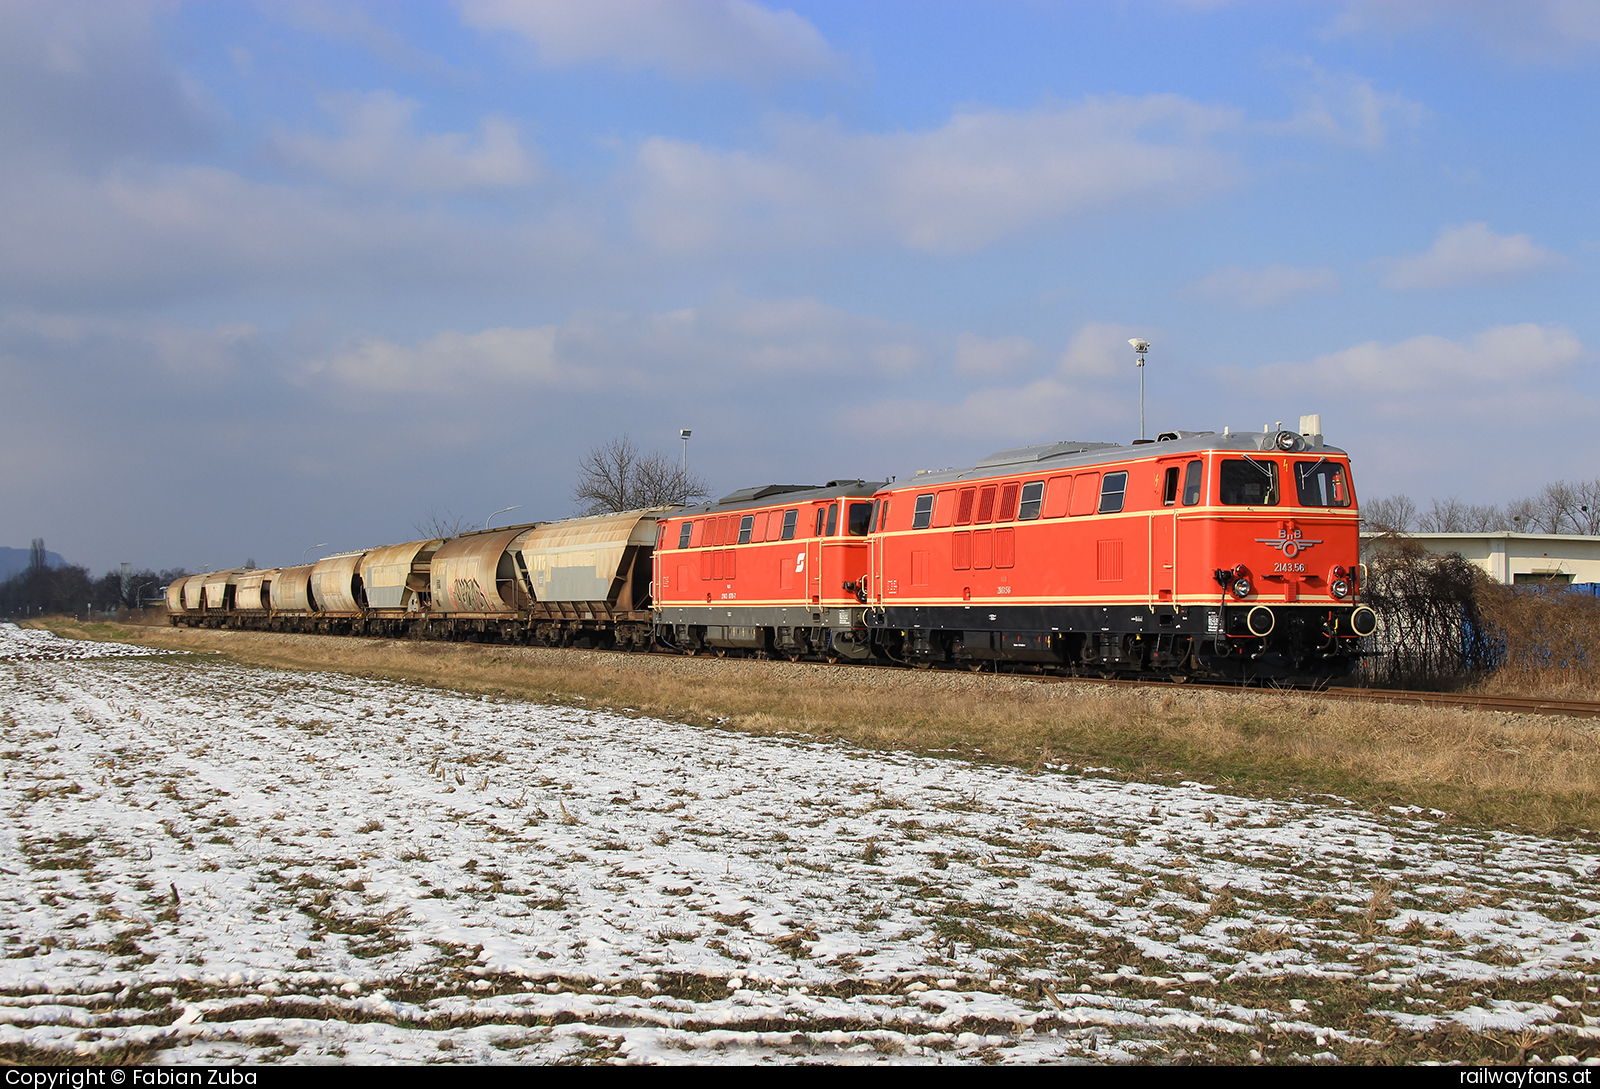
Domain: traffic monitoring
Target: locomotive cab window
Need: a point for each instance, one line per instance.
(1112, 491)
(923, 515)
(683, 534)
(1321, 484)
(746, 524)
(1247, 482)
(1032, 499)
(790, 517)
(833, 519)
(1192, 477)
(860, 519)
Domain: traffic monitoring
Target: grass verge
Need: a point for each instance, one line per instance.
(1535, 773)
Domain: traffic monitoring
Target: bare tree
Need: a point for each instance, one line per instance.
(433, 524)
(1556, 509)
(1487, 519)
(1390, 514)
(1448, 516)
(616, 477)
(1589, 507)
(1522, 515)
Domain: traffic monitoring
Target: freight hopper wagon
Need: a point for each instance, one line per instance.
(582, 582)
(1196, 554)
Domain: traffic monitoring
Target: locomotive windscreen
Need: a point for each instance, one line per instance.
(1321, 484)
(1247, 482)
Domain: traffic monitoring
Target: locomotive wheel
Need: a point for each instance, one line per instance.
(833, 659)
(793, 655)
(974, 667)
(1180, 678)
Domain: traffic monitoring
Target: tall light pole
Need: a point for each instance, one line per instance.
(684, 465)
(308, 548)
(502, 510)
(1140, 347)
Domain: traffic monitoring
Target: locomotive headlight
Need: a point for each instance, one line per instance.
(1339, 588)
(1241, 587)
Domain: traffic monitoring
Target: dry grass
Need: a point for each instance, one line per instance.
(1537, 773)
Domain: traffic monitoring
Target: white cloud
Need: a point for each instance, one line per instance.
(725, 345)
(1254, 288)
(89, 82)
(1468, 254)
(981, 176)
(687, 39)
(1427, 377)
(1043, 410)
(1529, 31)
(382, 148)
(980, 357)
(1100, 349)
(1345, 108)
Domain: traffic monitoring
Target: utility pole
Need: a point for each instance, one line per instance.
(1140, 347)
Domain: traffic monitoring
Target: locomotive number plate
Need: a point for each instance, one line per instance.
(1289, 567)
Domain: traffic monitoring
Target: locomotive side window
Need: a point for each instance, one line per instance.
(1112, 490)
(922, 517)
(683, 534)
(790, 517)
(1169, 488)
(860, 519)
(1032, 499)
(1192, 490)
(833, 519)
(1321, 484)
(1247, 482)
(822, 520)
(746, 524)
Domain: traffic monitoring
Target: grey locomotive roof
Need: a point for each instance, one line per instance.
(1051, 457)
(772, 494)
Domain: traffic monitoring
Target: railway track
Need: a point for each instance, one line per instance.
(1526, 705)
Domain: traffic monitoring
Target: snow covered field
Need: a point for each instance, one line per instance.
(218, 863)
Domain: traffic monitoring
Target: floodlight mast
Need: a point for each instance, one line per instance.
(1140, 347)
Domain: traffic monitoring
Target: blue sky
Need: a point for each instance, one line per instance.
(273, 274)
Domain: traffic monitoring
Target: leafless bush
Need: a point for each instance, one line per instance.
(1430, 626)
(1545, 637)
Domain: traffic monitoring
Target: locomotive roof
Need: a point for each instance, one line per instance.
(1054, 456)
(768, 495)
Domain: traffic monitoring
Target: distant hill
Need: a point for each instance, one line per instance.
(13, 560)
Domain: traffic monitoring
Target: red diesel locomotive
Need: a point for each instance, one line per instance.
(1194, 554)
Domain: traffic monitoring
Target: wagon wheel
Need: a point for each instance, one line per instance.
(974, 667)
(721, 652)
(833, 659)
(793, 655)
